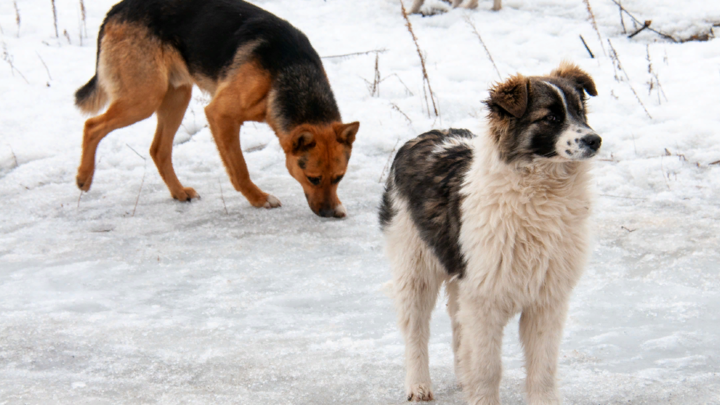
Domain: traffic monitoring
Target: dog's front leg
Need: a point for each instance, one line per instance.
(480, 348)
(541, 332)
(225, 128)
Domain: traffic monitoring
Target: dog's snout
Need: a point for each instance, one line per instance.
(591, 141)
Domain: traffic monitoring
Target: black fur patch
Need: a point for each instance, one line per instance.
(428, 173)
(208, 34)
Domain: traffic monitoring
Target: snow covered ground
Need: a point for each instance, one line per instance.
(103, 301)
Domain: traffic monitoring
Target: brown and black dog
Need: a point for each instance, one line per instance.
(256, 67)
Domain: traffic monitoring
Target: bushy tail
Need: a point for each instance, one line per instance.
(91, 97)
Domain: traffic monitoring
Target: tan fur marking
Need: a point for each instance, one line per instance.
(241, 97)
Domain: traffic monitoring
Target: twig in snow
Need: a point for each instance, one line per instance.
(594, 24)
(17, 17)
(387, 165)
(638, 22)
(587, 47)
(646, 24)
(717, 162)
(55, 18)
(396, 108)
(629, 230)
(426, 79)
(472, 25)
(43, 62)
(375, 51)
(615, 57)
(67, 36)
(143, 178)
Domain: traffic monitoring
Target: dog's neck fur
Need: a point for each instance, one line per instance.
(535, 177)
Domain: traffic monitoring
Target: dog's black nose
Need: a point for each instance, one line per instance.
(593, 142)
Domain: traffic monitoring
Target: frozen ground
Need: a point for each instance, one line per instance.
(188, 303)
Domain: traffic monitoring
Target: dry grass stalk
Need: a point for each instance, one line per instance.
(17, 17)
(46, 67)
(387, 164)
(426, 79)
(717, 162)
(622, 18)
(9, 59)
(141, 183)
(374, 87)
(594, 24)
(83, 16)
(396, 108)
(654, 79)
(346, 55)
(616, 59)
(55, 18)
(67, 36)
(401, 82)
(469, 21)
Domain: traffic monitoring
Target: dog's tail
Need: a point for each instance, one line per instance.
(91, 97)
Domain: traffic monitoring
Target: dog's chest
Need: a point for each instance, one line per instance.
(520, 238)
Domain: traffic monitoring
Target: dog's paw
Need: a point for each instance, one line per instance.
(272, 202)
(187, 194)
(420, 392)
(84, 180)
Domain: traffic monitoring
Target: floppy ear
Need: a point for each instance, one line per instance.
(303, 141)
(511, 95)
(580, 79)
(346, 132)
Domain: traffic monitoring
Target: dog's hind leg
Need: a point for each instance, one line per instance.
(130, 70)
(121, 113)
(241, 98)
(415, 8)
(169, 116)
(452, 306)
(481, 345)
(541, 332)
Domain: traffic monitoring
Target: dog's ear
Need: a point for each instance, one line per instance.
(580, 79)
(511, 95)
(346, 132)
(302, 142)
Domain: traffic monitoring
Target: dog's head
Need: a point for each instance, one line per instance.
(317, 157)
(544, 117)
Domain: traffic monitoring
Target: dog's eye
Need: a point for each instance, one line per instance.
(337, 179)
(314, 180)
(551, 118)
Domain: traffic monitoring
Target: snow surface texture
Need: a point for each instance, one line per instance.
(188, 303)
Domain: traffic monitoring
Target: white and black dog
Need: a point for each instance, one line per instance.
(501, 219)
(417, 4)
